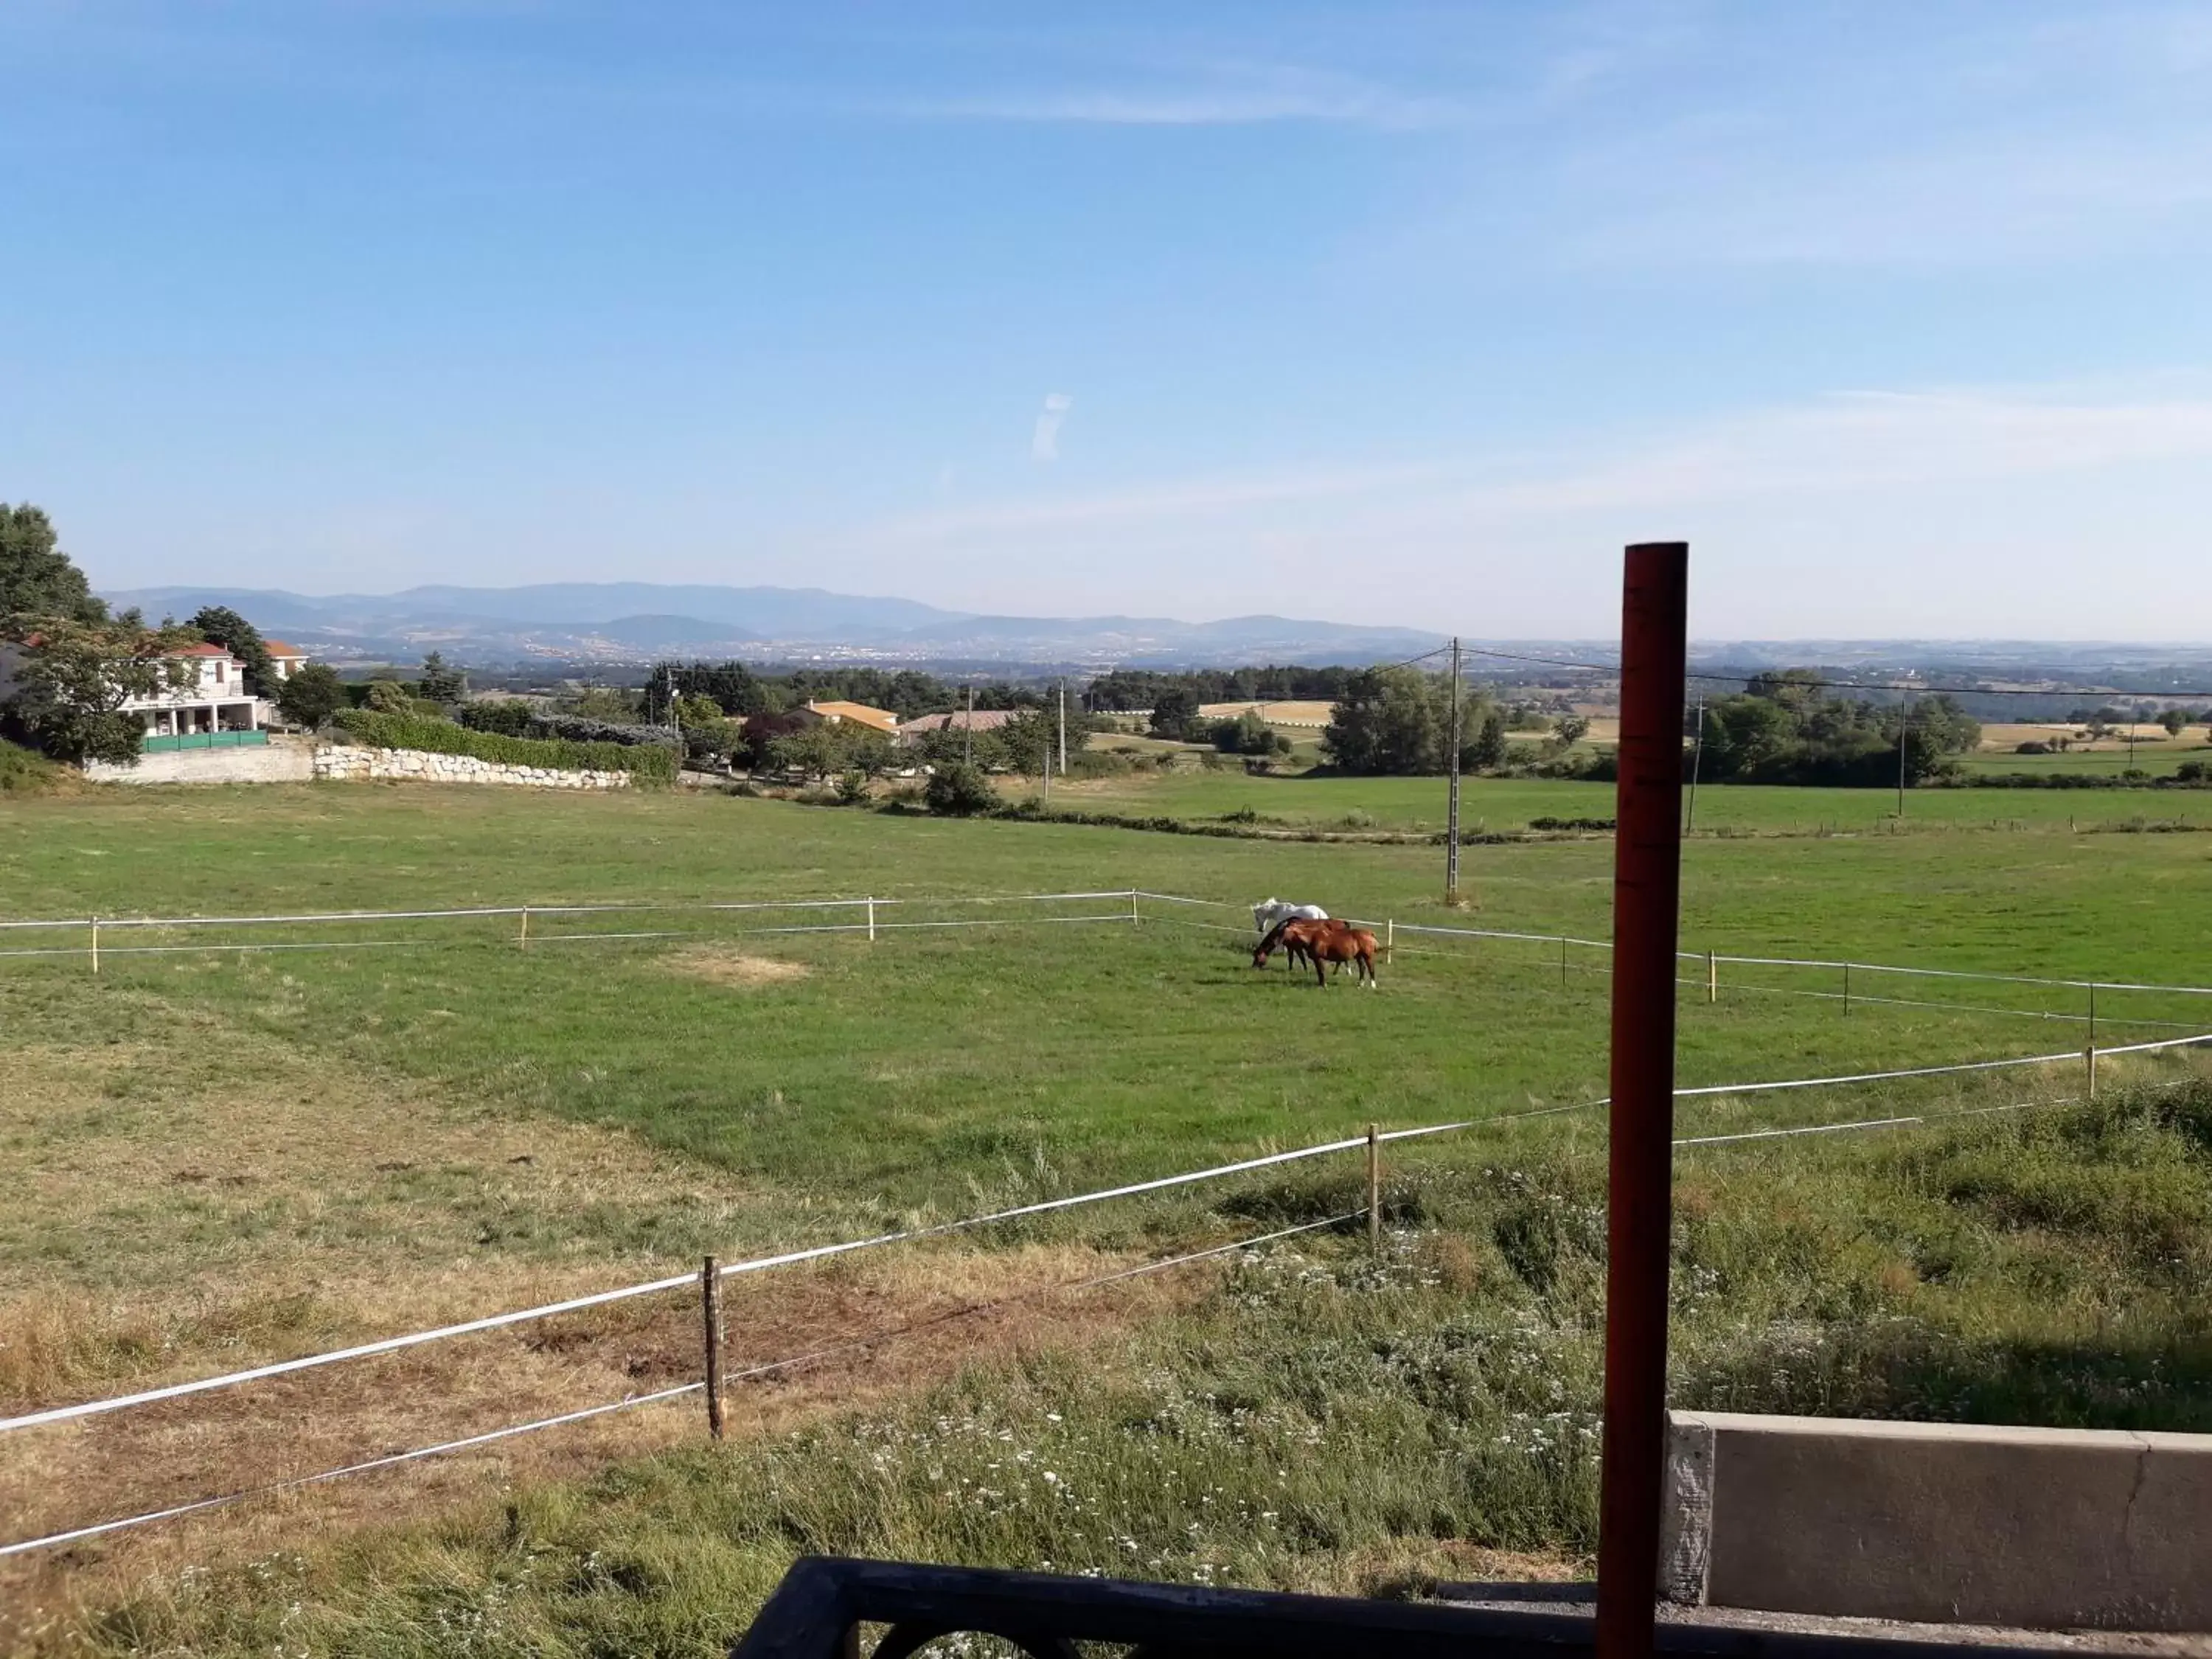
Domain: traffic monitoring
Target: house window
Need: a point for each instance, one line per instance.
(218, 674)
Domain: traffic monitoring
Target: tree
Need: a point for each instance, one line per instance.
(310, 696)
(1389, 721)
(72, 678)
(1793, 688)
(441, 684)
(1027, 742)
(218, 624)
(1569, 730)
(1486, 749)
(818, 749)
(1175, 714)
(2175, 720)
(960, 791)
(37, 579)
(389, 697)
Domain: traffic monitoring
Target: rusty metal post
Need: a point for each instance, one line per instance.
(1374, 1195)
(1646, 914)
(710, 1307)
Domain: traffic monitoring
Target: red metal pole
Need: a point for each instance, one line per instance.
(1646, 895)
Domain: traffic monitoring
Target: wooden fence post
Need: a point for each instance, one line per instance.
(2089, 1065)
(1390, 939)
(1847, 988)
(872, 921)
(2092, 1013)
(1374, 1194)
(1563, 961)
(96, 945)
(1133, 917)
(710, 1307)
(1712, 977)
(522, 941)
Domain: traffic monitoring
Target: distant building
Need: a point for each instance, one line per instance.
(284, 660)
(980, 719)
(859, 714)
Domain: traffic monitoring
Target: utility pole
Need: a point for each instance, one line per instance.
(1904, 721)
(1697, 765)
(1063, 728)
(1451, 810)
(968, 748)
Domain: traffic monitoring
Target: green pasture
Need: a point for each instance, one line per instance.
(1507, 804)
(935, 1060)
(2158, 757)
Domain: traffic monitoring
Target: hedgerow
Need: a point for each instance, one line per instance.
(645, 762)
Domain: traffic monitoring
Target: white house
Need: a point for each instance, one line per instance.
(213, 697)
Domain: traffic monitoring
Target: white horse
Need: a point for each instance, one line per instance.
(1269, 913)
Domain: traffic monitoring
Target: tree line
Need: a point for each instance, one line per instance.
(1785, 728)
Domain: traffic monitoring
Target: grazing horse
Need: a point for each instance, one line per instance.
(1322, 943)
(1290, 935)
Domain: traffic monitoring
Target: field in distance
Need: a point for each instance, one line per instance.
(1326, 802)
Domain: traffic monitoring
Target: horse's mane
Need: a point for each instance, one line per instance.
(1275, 934)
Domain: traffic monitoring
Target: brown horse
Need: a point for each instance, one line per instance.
(1339, 942)
(1290, 935)
(1321, 943)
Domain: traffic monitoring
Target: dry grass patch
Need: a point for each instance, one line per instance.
(721, 965)
(878, 1328)
(177, 1217)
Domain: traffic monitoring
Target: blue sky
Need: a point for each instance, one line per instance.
(1900, 313)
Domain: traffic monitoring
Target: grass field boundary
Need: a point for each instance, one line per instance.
(821, 1252)
(872, 924)
(1725, 960)
(662, 1395)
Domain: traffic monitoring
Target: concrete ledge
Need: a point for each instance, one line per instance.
(2048, 1529)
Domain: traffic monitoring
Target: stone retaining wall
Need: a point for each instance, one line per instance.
(349, 763)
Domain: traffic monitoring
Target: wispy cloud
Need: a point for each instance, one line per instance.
(1287, 97)
(1846, 442)
(1044, 439)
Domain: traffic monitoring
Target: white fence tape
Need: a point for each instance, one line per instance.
(659, 1395)
(821, 1252)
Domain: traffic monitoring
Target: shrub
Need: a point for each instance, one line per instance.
(388, 698)
(960, 791)
(647, 763)
(853, 788)
(508, 716)
(310, 696)
(27, 772)
(583, 728)
(2031, 748)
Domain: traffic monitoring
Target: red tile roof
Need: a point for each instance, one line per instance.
(986, 720)
(278, 649)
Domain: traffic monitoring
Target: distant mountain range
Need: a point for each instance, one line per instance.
(618, 623)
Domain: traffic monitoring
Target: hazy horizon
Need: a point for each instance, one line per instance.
(1389, 315)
